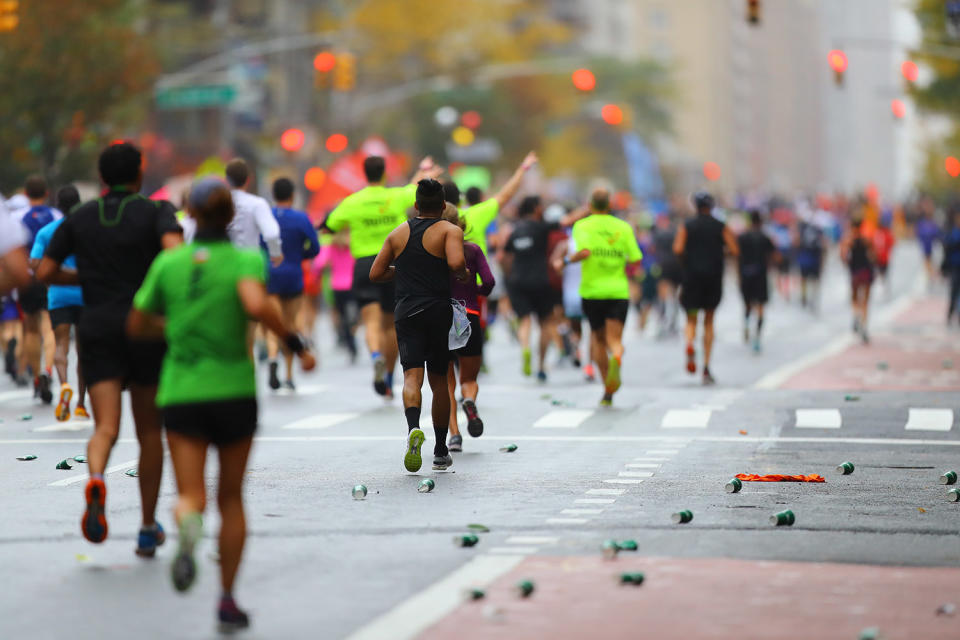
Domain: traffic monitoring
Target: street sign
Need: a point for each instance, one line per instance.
(197, 96)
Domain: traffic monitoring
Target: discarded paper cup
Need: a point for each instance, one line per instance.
(468, 540)
(849, 398)
(634, 578)
(953, 495)
(627, 545)
(845, 468)
(949, 477)
(610, 549)
(26, 416)
(474, 594)
(64, 465)
(426, 485)
(870, 633)
(133, 473)
(508, 448)
(81, 459)
(733, 485)
(29, 456)
(524, 588)
(682, 517)
(359, 492)
(783, 519)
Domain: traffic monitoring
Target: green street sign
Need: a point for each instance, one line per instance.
(213, 95)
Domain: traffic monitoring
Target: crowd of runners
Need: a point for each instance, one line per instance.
(177, 306)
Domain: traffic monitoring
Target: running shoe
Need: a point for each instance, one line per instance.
(411, 459)
(380, 376)
(691, 359)
(149, 539)
(756, 345)
(607, 400)
(94, 521)
(262, 353)
(613, 375)
(289, 385)
(43, 389)
(527, 363)
(184, 568)
(81, 412)
(708, 378)
(576, 362)
(456, 443)
(62, 412)
(230, 617)
(474, 423)
(541, 376)
(274, 379)
(588, 371)
(440, 463)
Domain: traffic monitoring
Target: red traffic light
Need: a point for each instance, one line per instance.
(314, 178)
(292, 140)
(953, 166)
(337, 143)
(471, 120)
(910, 71)
(898, 108)
(711, 171)
(837, 60)
(611, 114)
(584, 80)
(324, 62)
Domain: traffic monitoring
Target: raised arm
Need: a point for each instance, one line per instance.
(508, 190)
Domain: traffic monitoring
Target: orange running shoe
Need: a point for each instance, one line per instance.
(94, 521)
(81, 412)
(691, 359)
(62, 412)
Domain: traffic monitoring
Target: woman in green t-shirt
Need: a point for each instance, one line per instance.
(199, 297)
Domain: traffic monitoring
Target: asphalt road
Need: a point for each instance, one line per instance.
(321, 565)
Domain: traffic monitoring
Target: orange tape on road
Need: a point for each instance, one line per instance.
(776, 477)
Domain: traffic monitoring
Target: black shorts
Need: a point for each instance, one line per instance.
(701, 293)
(221, 422)
(425, 338)
(65, 315)
(366, 292)
(527, 300)
(106, 352)
(671, 271)
(33, 298)
(810, 272)
(474, 346)
(599, 311)
(755, 289)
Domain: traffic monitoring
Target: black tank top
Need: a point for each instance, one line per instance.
(859, 256)
(703, 254)
(422, 279)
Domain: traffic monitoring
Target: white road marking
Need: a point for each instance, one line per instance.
(15, 395)
(605, 492)
(528, 540)
(819, 419)
(303, 390)
(642, 465)
(580, 512)
(566, 419)
(686, 419)
(635, 474)
(623, 481)
(663, 452)
(648, 459)
(75, 425)
(567, 520)
(594, 501)
(321, 421)
(930, 420)
(83, 476)
(412, 616)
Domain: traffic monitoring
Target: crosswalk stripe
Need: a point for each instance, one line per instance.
(581, 512)
(605, 492)
(624, 480)
(509, 551)
(76, 425)
(321, 421)
(528, 540)
(567, 520)
(818, 419)
(686, 419)
(663, 452)
(929, 420)
(594, 501)
(564, 419)
(635, 474)
(641, 465)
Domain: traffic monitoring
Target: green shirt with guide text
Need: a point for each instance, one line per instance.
(194, 286)
(371, 214)
(612, 246)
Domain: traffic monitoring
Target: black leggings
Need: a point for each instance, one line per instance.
(347, 312)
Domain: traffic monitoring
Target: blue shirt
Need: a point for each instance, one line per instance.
(58, 296)
(37, 218)
(298, 240)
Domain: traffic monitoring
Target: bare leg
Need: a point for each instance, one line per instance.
(233, 527)
(370, 315)
(440, 412)
(452, 395)
(546, 335)
(189, 457)
(81, 381)
(105, 401)
(412, 388)
(469, 369)
(150, 435)
(60, 359)
(613, 338)
(289, 310)
(598, 351)
(30, 354)
(523, 332)
(389, 341)
(707, 337)
(49, 342)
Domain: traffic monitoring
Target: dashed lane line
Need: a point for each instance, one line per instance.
(581, 512)
(594, 501)
(567, 520)
(605, 492)
(566, 419)
(818, 419)
(321, 421)
(686, 419)
(642, 465)
(635, 474)
(623, 480)
(929, 420)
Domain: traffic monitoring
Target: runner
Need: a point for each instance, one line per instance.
(810, 252)
(336, 255)
(205, 292)
(645, 277)
(285, 281)
(606, 246)
(671, 274)
(65, 305)
(928, 233)
(253, 222)
(371, 214)
(14, 267)
(756, 252)
(114, 239)
(37, 337)
(700, 243)
(425, 250)
(857, 252)
(951, 262)
(469, 358)
(883, 242)
(572, 303)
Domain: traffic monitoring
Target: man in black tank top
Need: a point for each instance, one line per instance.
(699, 245)
(419, 256)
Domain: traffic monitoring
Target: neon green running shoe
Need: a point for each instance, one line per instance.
(412, 460)
(613, 376)
(527, 363)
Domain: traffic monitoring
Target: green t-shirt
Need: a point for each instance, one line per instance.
(612, 246)
(478, 218)
(372, 213)
(195, 287)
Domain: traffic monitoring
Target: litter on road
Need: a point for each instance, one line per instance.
(27, 457)
(64, 465)
(469, 540)
(359, 492)
(426, 485)
(26, 416)
(131, 472)
(682, 517)
(845, 468)
(479, 527)
(783, 519)
(776, 477)
(953, 495)
(949, 477)
(635, 578)
(509, 448)
(524, 588)
(733, 485)
(473, 594)
(81, 459)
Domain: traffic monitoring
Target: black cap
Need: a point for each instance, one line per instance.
(702, 199)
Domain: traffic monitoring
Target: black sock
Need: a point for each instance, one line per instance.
(413, 418)
(440, 448)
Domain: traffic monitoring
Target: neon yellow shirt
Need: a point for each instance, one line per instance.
(371, 214)
(478, 218)
(612, 246)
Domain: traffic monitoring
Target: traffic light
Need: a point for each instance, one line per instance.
(9, 15)
(584, 80)
(910, 72)
(838, 62)
(324, 62)
(753, 12)
(345, 72)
